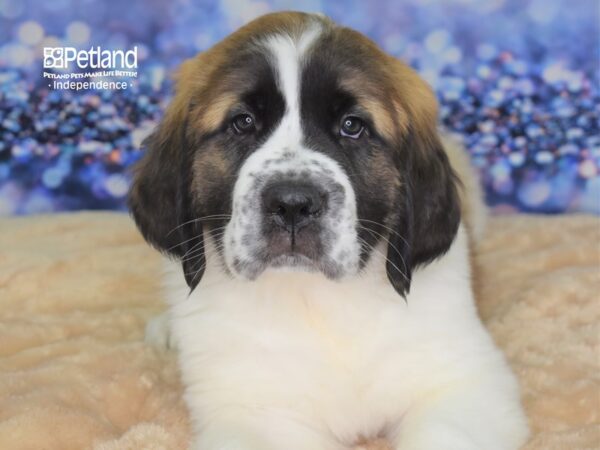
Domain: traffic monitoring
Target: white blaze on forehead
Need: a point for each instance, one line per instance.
(287, 54)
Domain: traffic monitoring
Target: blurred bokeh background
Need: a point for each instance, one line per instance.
(517, 79)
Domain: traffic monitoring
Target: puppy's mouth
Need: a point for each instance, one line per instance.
(282, 251)
(295, 249)
(306, 242)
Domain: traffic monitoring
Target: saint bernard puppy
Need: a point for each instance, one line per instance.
(320, 230)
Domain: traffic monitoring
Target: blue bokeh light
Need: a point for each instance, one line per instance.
(516, 79)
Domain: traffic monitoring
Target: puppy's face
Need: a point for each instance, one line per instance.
(297, 144)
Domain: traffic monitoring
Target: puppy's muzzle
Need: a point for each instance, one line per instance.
(293, 205)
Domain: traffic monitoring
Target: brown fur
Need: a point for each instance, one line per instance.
(200, 86)
(379, 169)
(385, 118)
(209, 168)
(413, 103)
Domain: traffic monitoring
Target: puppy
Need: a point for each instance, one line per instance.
(322, 295)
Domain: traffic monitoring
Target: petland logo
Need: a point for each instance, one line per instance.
(94, 58)
(92, 63)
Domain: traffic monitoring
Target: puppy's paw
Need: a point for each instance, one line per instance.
(158, 333)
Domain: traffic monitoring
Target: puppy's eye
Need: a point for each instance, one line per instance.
(352, 127)
(243, 123)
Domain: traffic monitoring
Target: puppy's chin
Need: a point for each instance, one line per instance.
(291, 263)
(295, 262)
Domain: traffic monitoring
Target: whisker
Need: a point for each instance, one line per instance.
(387, 228)
(195, 254)
(194, 249)
(389, 243)
(195, 237)
(384, 257)
(200, 219)
(198, 271)
(200, 246)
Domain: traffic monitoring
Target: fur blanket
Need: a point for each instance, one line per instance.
(76, 291)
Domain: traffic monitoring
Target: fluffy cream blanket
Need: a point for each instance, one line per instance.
(76, 291)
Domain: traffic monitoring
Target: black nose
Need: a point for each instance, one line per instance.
(293, 205)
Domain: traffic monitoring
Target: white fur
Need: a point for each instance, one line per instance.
(296, 361)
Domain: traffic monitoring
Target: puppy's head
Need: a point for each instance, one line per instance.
(298, 144)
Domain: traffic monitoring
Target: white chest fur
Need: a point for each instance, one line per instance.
(348, 358)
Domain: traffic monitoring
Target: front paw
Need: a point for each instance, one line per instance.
(158, 333)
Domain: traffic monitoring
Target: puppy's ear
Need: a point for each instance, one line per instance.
(159, 198)
(429, 210)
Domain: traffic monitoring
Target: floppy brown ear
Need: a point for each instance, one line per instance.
(159, 198)
(429, 210)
